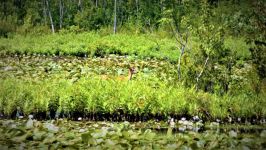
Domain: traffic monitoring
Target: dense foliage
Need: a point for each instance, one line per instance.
(69, 59)
(218, 46)
(74, 87)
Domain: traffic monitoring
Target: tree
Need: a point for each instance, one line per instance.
(50, 16)
(115, 17)
(61, 13)
(257, 37)
(181, 38)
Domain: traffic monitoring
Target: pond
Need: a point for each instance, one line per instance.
(41, 67)
(182, 134)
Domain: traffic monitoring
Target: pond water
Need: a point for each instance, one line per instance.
(61, 134)
(43, 67)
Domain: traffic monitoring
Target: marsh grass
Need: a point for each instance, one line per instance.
(90, 44)
(137, 98)
(148, 94)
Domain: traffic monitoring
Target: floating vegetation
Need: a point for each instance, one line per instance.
(58, 134)
(42, 67)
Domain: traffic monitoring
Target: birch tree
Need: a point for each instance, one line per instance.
(61, 13)
(181, 39)
(44, 12)
(115, 17)
(50, 16)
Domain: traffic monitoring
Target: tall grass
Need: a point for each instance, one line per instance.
(137, 97)
(101, 43)
(92, 44)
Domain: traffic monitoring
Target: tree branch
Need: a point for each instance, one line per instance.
(200, 74)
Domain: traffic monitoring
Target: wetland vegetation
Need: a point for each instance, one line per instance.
(155, 74)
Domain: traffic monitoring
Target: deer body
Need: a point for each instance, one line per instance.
(131, 71)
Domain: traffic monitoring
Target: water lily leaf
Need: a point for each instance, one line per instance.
(85, 137)
(247, 140)
(201, 143)
(110, 142)
(95, 125)
(99, 133)
(20, 139)
(16, 132)
(42, 146)
(70, 136)
(243, 147)
(99, 141)
(146, 70)
(149, 135)
(49, 140)
(120, 71)
(51, 127)
(130, 135)
(38, 135)
(233, 134)
(171, 146)
(162, 142)
(186, 148)
(214, 144)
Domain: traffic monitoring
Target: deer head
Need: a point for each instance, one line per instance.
(131, 71)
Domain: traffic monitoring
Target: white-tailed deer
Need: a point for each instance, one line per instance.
(131, 71)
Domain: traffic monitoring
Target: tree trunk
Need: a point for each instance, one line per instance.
(61, 13)
(137, 7)
(44, 12)
(104, 10)
(179, 39)
(115, 17)
(5, 9)
(179, 61)
(161, 6)
(200, 74)
(50, 16)
(80, 5)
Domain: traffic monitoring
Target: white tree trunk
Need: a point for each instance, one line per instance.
(50, 16)
(61, 13)
(179, 61)
(115, 17)
(80, 5)
(183, 42)
(137, 6)
(200, 74)
(44, 12)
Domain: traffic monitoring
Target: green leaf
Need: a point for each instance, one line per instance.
(85, 137)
